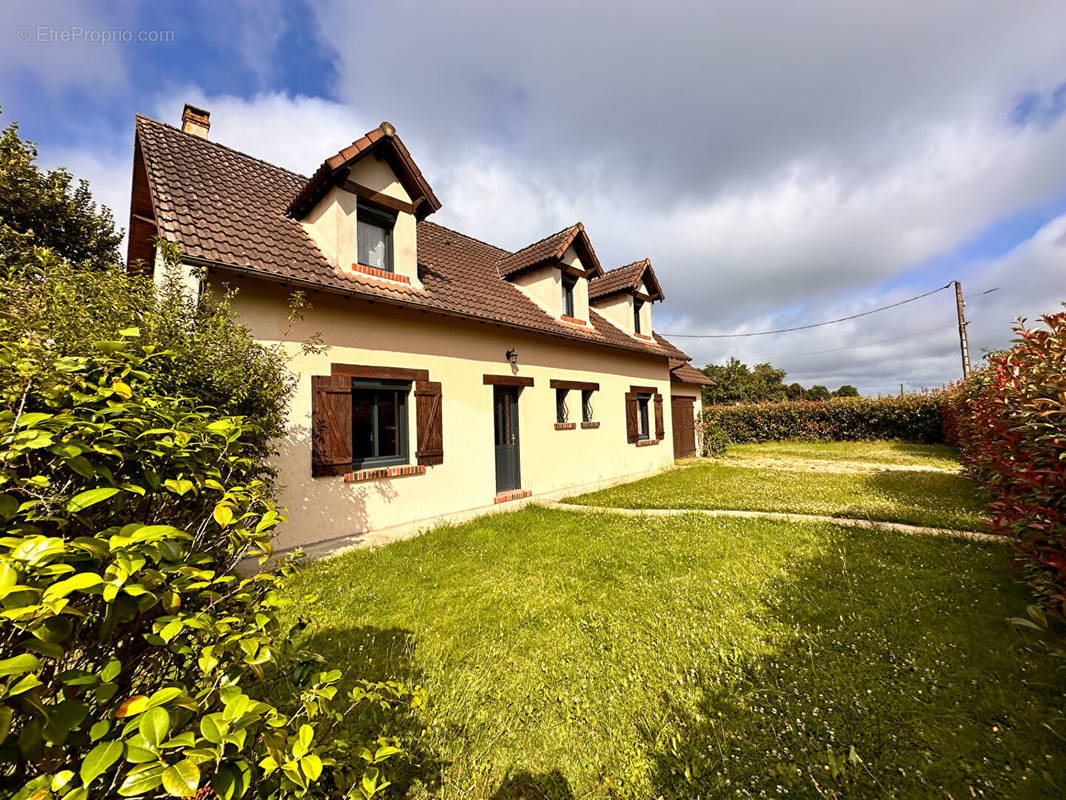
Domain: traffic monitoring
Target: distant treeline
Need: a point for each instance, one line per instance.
(736, 382)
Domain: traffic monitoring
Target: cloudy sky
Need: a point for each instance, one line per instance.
(781, 163)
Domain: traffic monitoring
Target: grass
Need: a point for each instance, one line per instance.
(936, 499)
(600, 656)
(870, 452)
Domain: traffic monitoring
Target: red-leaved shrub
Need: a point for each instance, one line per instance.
(1009, 422)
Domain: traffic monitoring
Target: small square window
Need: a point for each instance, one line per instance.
(586, 405)
(562, 413)
(374, 237)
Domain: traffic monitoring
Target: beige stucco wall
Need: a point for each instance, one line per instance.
(618, 309)
(332, 223)
(457, 353)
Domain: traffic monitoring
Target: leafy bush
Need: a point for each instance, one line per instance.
(1009, 423)
(910, 418)
(212, 356)
(134, 660)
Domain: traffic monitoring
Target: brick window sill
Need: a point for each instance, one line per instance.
(382, 473)
(573, 320)
(589, 425)
(374, 272)
(506, 497)
(643, 337)
(565, 426)
(646, 442)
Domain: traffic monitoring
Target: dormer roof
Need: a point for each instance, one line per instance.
(627, 279)
(552, 248)
(383, 142)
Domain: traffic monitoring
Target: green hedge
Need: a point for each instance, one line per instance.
(909, 418)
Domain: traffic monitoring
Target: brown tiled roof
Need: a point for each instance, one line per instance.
(228, 210)
(625, 279)
(551, 248)
(384, 139)
(683, 372)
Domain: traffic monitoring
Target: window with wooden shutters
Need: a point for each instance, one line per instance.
(660, 428)
(359, 419)
(631, 417)
(429, 419)
(331, 425)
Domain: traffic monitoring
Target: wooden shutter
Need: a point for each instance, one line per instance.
(631, 417)
(429, 418)
(331, 425)
(660, 429)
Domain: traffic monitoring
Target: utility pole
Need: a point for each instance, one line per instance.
(964, 346)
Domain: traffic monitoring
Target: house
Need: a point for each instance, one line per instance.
(457, 376)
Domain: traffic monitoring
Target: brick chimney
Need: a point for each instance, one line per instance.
(195, 121)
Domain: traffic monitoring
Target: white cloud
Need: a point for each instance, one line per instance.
(778, 167)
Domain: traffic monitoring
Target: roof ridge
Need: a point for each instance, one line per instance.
(638, 262)
(233, 150)
(545, 238)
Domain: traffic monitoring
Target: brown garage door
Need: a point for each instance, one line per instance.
(683, 409)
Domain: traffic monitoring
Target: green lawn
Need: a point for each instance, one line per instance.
(914, 496)
(870, 452)
(572, 655)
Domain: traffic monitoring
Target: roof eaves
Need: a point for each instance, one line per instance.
(355, 291)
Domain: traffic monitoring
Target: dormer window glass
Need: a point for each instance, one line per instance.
(569, 282)
(375, 238)
(637, 305)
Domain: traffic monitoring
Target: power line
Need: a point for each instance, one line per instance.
(806, 327)
(856, 346)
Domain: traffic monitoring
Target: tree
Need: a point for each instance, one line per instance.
(45, 209)
(818, 392)
(795, 392)
(735, 382)
(767, 384)
(847, 390)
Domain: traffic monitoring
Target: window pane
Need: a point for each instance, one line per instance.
(586, 406)
(643, 433)
(362, 423)
(561, 412)
(388, 424)
(372, 242)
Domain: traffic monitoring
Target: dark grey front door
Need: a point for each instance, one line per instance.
(505, 414)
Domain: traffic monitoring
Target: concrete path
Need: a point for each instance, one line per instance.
(848, 522)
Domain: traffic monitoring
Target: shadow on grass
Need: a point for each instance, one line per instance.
(525, 785)
(932, 490)
(895, 674)
(383, 654)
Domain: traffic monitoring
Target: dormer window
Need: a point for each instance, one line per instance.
(375, 237)
(569, 282)
(637, 305)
